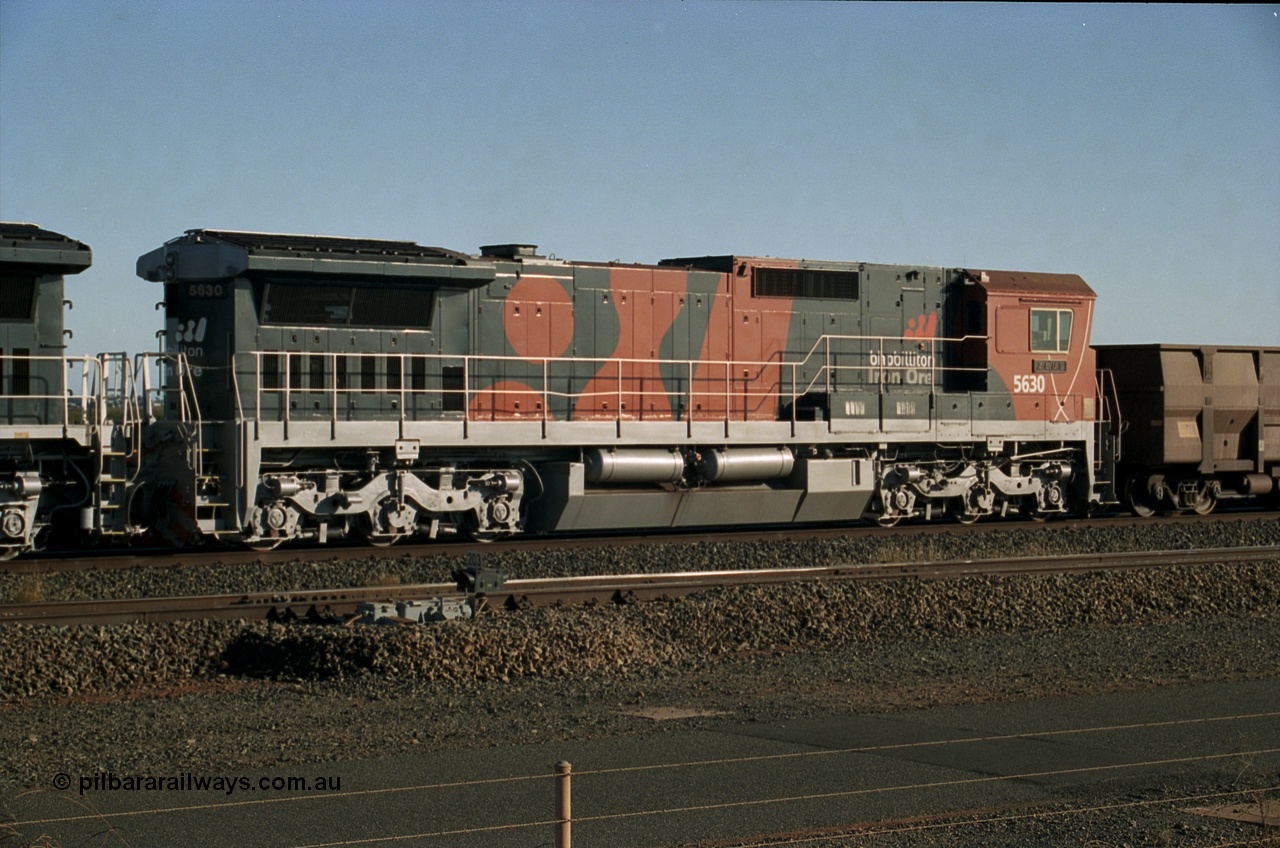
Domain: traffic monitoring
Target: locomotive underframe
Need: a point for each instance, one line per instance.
(45, 470)
(382, 481)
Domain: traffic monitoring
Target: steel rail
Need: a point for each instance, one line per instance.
(169, 558)
(524, 593)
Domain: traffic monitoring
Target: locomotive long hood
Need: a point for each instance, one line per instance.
(50, 252)
(221, 255)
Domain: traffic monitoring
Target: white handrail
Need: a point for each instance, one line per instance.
(829, 357)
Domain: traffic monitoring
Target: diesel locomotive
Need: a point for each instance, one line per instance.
(315, 388)
(50, 447)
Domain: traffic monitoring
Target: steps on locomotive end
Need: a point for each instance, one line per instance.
(1104, 461)
(119, 458)
(210, 515)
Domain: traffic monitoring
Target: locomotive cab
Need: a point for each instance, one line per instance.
(1038, 356)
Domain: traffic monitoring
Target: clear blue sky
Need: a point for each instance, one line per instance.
(1135, 145)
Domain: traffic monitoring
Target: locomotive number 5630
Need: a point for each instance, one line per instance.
(204, 290)
(1028, 383)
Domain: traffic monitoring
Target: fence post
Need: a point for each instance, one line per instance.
(564, 820)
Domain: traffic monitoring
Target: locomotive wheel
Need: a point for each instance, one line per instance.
(264, 545)
(490, 526)
(962, 514)
(470, 526)
(388, 524)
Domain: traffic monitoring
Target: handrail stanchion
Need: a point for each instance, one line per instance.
(728, 395)
(826, 364)
(257, 389)
(333, 395)
(288, 389)
(688, 406)
(399, 360)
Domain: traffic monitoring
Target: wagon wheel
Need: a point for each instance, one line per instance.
(1136, 495)
(888, 519)
(1206, 503)
(9, 553)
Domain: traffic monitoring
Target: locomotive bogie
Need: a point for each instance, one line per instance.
(967, 488)
(385, 507)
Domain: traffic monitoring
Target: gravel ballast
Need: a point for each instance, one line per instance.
(863, 545)
(250, 695)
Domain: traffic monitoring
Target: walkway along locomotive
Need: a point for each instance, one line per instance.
(316, 388)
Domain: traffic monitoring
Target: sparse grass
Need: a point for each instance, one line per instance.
(906, 550)
(30, 590)
(383, 578)
(931, 549)
(108, 834)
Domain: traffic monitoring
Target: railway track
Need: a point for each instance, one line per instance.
(168, 558)
(340, 604)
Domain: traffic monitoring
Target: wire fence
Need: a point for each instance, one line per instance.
(560, 819)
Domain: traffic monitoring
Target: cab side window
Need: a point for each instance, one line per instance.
(1051, 330)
